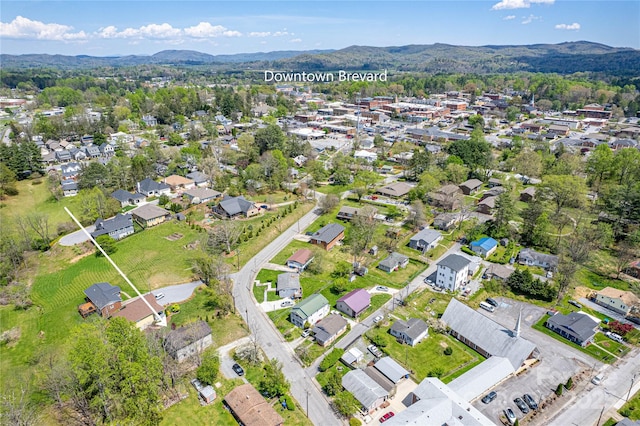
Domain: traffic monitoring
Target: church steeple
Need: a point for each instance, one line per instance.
(516, 331)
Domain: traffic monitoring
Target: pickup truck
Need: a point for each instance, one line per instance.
(375, 351)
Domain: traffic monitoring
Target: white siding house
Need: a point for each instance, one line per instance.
(452, 272)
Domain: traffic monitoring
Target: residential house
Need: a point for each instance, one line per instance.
(300, 160)
(328, 236)
(528, 194)
(69, 188)
(289, 285)
(150, 215)
(63, 155)
(484, 246)
(328, 329)
(395, 190)
(471, 186)
(447, 197)
(410, 332)
(393, 262)
(300, 259)
(369, 394)
(391, 369)
(617, 300)
(232, 207)
(199, 179)
(92, 151)
(138, 312)
(107, 150)
(178, 183)
(379, 378)
(102, 298)
(452, 272)
(201, 195)
(151, 188)
(486, 336)
(352, 356)
(250, 408)
(126, 198)
(367, 156)
(118, 227)
(493, 182)
(500, 272)
(309, 311)
(348, 213)
(149, 120)
(531, 257)
(354, 303)
(493, 192)
(446, 221)
(577, 327)
(425, 240)
(488, 205)
(189, 340)
(78, 154)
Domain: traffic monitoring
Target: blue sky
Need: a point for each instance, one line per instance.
(102, 28)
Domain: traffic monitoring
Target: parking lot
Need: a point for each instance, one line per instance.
(557, 362)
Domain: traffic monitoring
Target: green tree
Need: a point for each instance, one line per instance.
(345, 403)
(7, 181)
(504, 213)
(334, 383)
(107, 243)
(273, 380)
(207, 373)
(559, 389)
(457, 173)
(475, 152)
(528, 163)
(419, 163)
(328, 203)
(564, 191)
(270, 138)
(95, 174)
(600, 166)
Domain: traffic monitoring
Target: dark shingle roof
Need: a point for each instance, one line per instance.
(186, 335)
(103, 294)
(577, 324)
(120, 221)
(288, 280)
(328, 233)
(455, 262)
(236, 205)
(393, 260)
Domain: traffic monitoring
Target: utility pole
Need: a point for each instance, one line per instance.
(630, 387)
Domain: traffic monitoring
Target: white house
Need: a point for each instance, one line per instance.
(366, 155)
(452, 272)
(310, 310)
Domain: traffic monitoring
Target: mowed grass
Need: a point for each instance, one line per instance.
(148, 259)
(632, 408)
(427, 358)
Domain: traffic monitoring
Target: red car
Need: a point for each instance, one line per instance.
(386, 417)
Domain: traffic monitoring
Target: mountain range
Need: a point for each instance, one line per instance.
(568, 57)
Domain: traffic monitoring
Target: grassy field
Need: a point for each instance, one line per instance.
(148, 259)
(427, 358)
(280, 319)
(264, 276)
(632, 408)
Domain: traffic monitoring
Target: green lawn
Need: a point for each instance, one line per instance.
(632, 408)
(333, 189)
(591, 350)
(597, 282)
(427, 358)
(264, 276)
(280, 319)
(610, 345)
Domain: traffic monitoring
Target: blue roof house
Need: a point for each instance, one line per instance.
(484, 246)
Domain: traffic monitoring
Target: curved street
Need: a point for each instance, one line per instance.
(303, 388)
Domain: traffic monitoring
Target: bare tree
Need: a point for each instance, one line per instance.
(328, 203)
(417, 217)
(225, 234)
(39, 223)
(17, 410)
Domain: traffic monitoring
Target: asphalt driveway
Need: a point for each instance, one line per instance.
(176, 293)
(77, 237)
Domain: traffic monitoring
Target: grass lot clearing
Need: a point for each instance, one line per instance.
(339, 367)
(632, 408)
(333, 189)
(224, 329)
(377, 300)
(597, 282)
(611, 345)
(276, 197)
(633, 337)
(190, 412)
(314, 350)
(591, 350)
(148, 259)
(427, 358)
(280, 319)
(265, 276)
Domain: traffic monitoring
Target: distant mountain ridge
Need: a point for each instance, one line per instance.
(568, 57)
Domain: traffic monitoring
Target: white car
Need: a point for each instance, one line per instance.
(159, 296)
(378, 319)
(382, 288)
(596, 380)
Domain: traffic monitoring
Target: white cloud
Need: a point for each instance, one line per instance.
(509, 17)
(26, 28)
(281, 33)
(529, 19)
(518, 4)
(295, 40)
(206, 30)
(260, 34)
(575, 26)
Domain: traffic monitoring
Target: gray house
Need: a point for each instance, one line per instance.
(117, 227)
(289, 285)
(393, 262)
(369, 394)
(126, 198)
(425, 240)
(391, 369)
(152, 188)
(577, 327)
(410, 332)
(189, 340)
(533, 258)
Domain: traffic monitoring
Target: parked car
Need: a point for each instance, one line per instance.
(530, 401)
(576, 304)
(159, 296)
(378, 319)
(521, 405)
(614, 336)
(382, 288)
(428, 281)
(374, 350)
(306, 333)
(510, 415)
(238, 370)
(489, 397)
(596, 380)
(286, 303)
(386, 417)
(491, 301)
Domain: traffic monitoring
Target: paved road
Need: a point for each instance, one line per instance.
(303, 388)
(77, 237)
(226, 362)
(587, 406)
